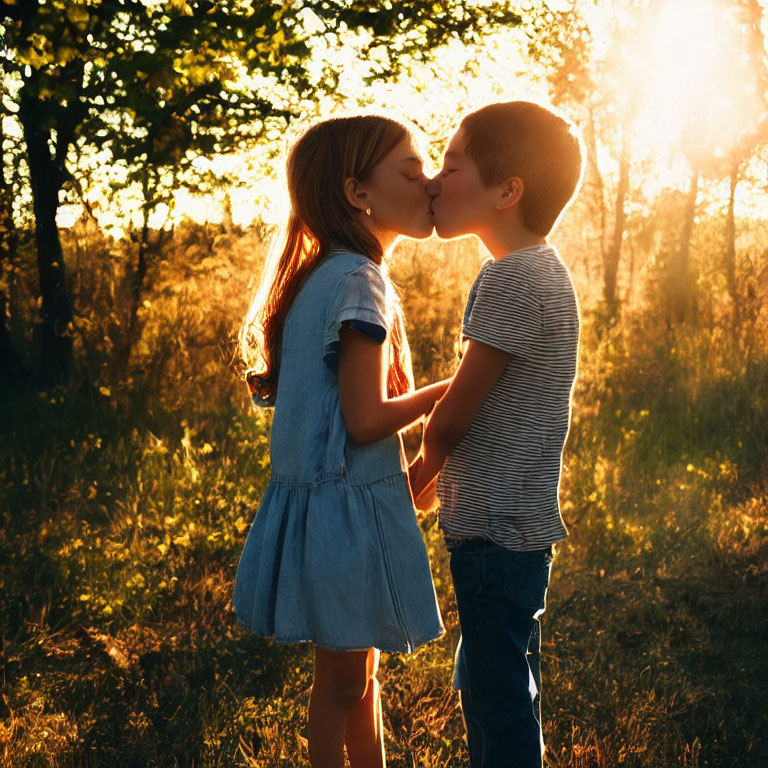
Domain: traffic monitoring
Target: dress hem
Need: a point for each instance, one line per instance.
(339, 649)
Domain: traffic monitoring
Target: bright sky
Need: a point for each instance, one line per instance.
(682, 61)
(427, 102)
(461, 79)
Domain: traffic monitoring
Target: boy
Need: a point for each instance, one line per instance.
(508, 174)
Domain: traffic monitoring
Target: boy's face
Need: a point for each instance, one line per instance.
(462, 204)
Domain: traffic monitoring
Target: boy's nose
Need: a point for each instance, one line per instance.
(433, 188)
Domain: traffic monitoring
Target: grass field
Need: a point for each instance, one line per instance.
(125, 504)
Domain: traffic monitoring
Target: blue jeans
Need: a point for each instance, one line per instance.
(500, 594)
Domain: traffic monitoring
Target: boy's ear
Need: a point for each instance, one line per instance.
(511, 192)
(355, 195)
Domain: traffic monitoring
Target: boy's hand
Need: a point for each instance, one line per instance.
(413, 471)
(452, 416)
(424, 499)
(427, 500)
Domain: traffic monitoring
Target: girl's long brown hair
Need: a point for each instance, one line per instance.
(321, 216)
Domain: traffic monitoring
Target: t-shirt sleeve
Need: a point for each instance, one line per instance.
(361, 300)
(506, 313)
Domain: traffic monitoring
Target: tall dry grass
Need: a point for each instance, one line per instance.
(126, 498)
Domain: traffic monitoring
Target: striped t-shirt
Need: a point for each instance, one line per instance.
(501, 480)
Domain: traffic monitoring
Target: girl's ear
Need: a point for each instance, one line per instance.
(511, 192)
(355, 195)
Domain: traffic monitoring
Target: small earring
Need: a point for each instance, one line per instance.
(367, 211)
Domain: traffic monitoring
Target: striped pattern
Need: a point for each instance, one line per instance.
(501, 481)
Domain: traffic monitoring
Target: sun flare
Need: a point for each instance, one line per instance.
(695, 91)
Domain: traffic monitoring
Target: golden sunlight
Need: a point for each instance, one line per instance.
(694, 93)
(678, 77)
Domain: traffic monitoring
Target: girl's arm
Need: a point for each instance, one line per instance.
(368, 413)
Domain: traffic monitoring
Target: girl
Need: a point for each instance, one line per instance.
(335, 555)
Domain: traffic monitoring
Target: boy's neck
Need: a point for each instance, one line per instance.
(502, 243)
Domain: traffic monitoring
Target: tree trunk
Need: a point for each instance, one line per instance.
(612, 255)
(147, 253)
(11, 369)
(592, 164)
(679, 283)
(46, 178)
(136, 286)
(730, 245)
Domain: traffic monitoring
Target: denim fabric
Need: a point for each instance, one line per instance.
(500, 595)
(334, 554)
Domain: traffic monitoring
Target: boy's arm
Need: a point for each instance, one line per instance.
(478, 371)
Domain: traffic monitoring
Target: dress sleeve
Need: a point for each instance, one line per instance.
(507, 312)
(363, 300)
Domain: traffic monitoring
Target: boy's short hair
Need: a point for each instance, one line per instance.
(523, 139)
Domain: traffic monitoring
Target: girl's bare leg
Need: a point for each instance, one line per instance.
(364, 735)
(343, 688)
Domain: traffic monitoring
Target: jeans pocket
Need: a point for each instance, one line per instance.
(526, 584)
(467, 566)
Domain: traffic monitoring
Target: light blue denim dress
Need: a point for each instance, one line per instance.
(335, 555)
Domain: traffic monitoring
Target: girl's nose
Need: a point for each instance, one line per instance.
(433, 187)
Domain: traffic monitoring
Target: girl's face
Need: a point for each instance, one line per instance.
(395, 192)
